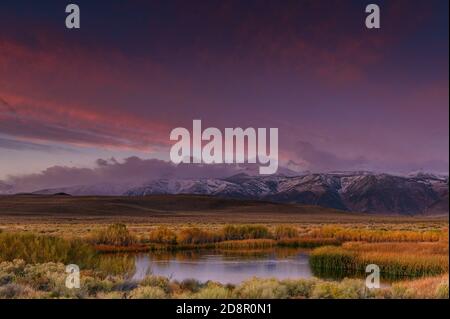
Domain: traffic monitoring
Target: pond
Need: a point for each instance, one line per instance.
(224, 267)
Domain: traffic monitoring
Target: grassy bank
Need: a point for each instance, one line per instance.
(32, 249)
(118, 237)
(31, 265)
(396, 260)
(21, 280)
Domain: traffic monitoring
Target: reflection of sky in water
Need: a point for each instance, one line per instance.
(224, 269)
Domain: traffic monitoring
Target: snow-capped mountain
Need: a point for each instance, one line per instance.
(354, 191)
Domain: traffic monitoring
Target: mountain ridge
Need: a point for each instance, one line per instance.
(366, 192)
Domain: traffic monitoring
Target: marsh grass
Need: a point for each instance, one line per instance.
(431, 287)
(38, 249)
(114, 235)
(197, 236)
(305, 242)
(395, 260)
(247, 244)
(284, 232)
(241, 232)
(163, 235)
(117, 237)
(378, 235)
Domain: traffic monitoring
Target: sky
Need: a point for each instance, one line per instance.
(108, 94)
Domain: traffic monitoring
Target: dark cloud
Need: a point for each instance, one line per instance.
(135, 171)
(132, 170)
(316, 160)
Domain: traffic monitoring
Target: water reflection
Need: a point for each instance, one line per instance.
(224, 267)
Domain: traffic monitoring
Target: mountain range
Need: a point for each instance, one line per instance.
(372, 193)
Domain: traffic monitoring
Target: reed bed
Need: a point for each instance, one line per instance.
(114, 235)
(379, 235)
(38, 249)
(247, 244)
(305, 242)
(394, 260)
(284, 235)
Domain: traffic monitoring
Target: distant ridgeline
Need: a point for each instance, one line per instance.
(356, 191)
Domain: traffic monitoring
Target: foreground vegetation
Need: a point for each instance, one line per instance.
(408, 252)
(21, 280)
(117, 235)
(396, 260)
(31, 264)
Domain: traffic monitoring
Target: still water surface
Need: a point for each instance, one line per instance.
(223, 267)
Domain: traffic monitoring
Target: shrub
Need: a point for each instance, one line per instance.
(402, 292)
(15, 291)
(442, 291)
(300, 288)
(156, 281)
(147, 292)
(346, 289)
(262, 289)
(428, 287)
(213, 291)
(111, 295)
(115, 235)
(92, 286)
(191, 285)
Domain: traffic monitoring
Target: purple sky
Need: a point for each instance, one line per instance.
(343, 97)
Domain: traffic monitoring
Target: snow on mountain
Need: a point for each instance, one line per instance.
(355, 191)
(367, 192)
